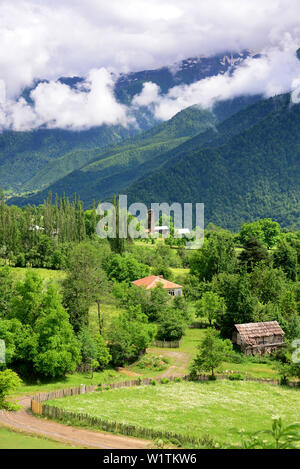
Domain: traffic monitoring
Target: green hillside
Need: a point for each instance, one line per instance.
(114, 168)
(23, 155)
(249, 168)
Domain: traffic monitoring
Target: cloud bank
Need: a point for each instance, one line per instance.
(46, 40)
(277, 71)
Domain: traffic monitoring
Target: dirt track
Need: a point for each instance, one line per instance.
(180, 362)
(23, 420)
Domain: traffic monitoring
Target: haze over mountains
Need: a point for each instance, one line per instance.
(241, 157)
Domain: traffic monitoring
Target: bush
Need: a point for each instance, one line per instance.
(178, 380)
(171, 326)
(152, 362)
(236, 357)
(9, 382)
(212, 378)
(259, 359)
(153, 382)
(164, 381)
(236, 377)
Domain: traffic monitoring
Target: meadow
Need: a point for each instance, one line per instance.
(16, 440)
(222, 410)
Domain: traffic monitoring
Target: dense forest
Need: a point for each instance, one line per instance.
(248, 170)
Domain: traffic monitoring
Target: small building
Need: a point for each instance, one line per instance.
(153, 280)
(258, 338)
(162, 230)
(182, 232)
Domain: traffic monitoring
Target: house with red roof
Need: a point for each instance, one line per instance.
(153, 280)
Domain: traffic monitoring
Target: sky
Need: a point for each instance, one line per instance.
(97, 39)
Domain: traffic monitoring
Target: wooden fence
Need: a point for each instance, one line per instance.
(83, 389)
(38, 406)
(167, 344)
(75, 418)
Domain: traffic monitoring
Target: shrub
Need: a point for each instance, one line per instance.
(178, 380)
(164, 380)
(236, 357)
(153, 382)
(212, 377)
(236, 377)
(259, 359)
(9, 382)
(152, 362)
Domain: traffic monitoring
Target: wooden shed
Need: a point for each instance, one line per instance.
(258, 338)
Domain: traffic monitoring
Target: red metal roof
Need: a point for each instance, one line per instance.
(153, 280)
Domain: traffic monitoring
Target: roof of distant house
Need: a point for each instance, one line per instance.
(161, 228)
(183, 231)
(253, 330)
(154, 280)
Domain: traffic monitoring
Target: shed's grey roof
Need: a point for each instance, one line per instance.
(253, 330)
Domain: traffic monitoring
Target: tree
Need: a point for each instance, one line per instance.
(126, 268)
(94, 351)
(157, 302)
(9, 382)
(83, 284)
(129, 336)
(27, 303)
(285, 257)
(6, 291)
(210, 306)
(217, 255)
(160, 268)
(239, 301)
(212, 351)
(117, 243)
(268, 284)
(58, 350)
(171, 326)
(40, 340)
(253, 253)
(265, 231)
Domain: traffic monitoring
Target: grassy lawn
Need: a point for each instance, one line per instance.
(189, 345)
(69, 381)
(19, 273)
(15, 440)
(179, 271)
(219, 409)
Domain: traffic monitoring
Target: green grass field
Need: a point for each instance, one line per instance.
(220, 409)
(69, 381)
(16, 440)
(18, 274)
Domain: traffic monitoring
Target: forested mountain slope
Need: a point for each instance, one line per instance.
(114, 168)
(31, 161)
(241, 174)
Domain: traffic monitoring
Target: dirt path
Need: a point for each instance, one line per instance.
(27, 422)
(180, 362)
(23, 420)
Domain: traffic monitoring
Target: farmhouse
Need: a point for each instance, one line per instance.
(151, 282)
(258, 337)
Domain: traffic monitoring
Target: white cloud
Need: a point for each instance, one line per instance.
(58, 105)
(276, 72)
(46, 40)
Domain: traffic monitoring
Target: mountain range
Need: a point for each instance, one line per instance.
(240, 158)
